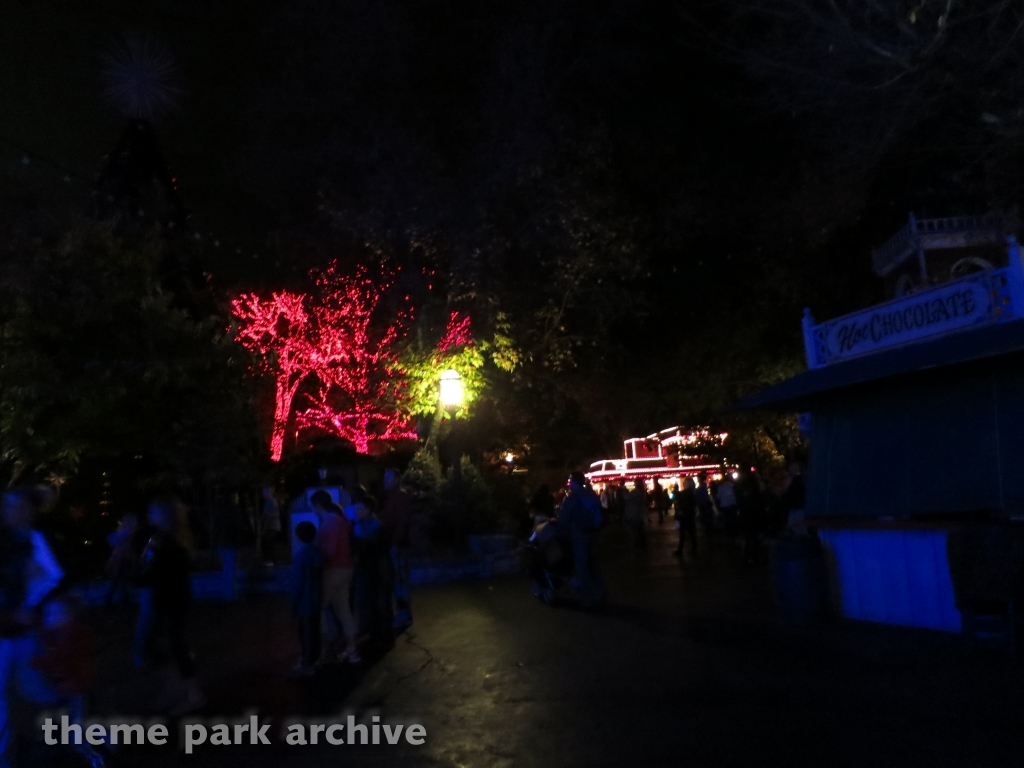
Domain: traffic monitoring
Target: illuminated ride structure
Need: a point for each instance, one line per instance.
(668, 456)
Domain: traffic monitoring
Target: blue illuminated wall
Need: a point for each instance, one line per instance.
(893, 576)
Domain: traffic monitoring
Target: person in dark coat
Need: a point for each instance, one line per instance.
(750, 503)
(685, 502)
(372, 600)
(307, 596)
(167, 594)
(580, 515)
(705, 503)
(618, 508)
(660, 502)
(395, 522)
(635, 514)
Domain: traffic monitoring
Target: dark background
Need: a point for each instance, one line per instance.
(702, 171)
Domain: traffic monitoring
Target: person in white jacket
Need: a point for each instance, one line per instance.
(30, 573)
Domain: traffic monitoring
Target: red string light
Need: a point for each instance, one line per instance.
(360, 386)
(279, 330)
(457, 334)
(333, 336)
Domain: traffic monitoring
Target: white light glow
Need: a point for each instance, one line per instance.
(451, 389)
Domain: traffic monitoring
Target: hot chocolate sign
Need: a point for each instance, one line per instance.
(928, 313)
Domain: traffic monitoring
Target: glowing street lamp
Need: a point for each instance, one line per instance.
(452, 394)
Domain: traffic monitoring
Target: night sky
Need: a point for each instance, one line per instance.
(280, 100)
(745, 175)
(454, 257)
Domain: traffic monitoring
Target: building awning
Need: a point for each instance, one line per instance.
(951, 349)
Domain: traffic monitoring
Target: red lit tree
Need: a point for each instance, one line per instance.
(280, 330)
(361, 384)
(332, 340)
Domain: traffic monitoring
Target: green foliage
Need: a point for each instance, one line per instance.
(509, 494)
(466, 507)
(455, 510)
(97, 361)
(505, 354)
(423, 373)
(422, 478)
(422, 365)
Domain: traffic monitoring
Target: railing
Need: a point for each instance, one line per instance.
(903, 242)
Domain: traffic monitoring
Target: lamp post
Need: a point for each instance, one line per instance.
(452, 396)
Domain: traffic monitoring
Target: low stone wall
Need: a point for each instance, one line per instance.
(440, 570)
(211, 585)
(491, 545)
(230, 584)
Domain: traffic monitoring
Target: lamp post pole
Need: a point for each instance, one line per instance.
(457, 450)
(451, 399)
(457, 474)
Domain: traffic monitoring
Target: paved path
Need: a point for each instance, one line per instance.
(686, 667)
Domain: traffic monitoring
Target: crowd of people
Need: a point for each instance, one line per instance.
(736, 506)
(349, 587)
(350, 574)
(349, 592)
(44, 649)
(739, 506)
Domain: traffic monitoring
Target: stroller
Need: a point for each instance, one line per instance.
(549, 562)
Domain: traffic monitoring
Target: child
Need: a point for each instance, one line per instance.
(307, 596)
